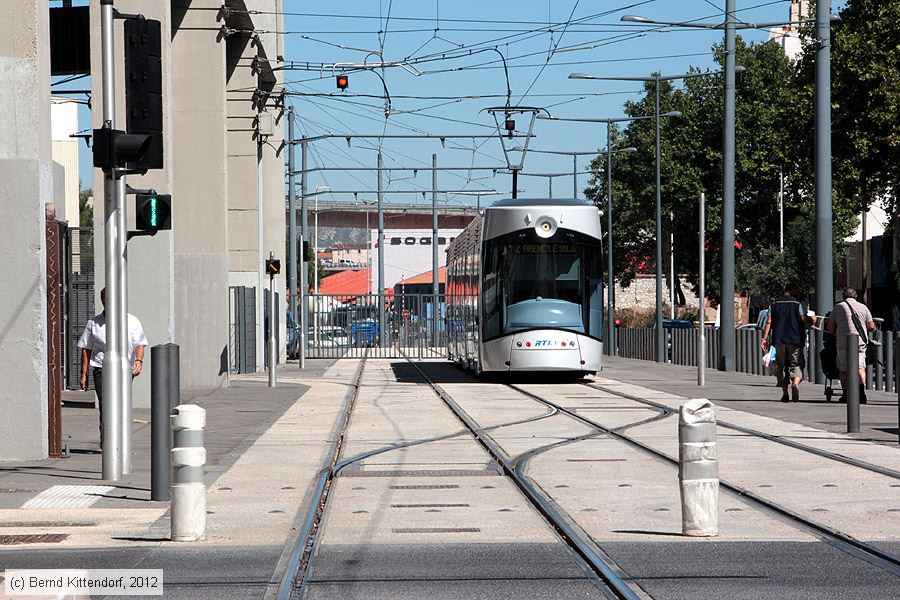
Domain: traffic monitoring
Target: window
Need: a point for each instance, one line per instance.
(442, 241)
(425, 241)
(410, 241)
(395, 241)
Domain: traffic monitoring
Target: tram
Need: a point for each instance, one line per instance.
(525, 289)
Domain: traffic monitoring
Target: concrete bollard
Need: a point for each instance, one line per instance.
(698, 471)
(188, 488)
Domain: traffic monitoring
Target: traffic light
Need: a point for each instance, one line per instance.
(114, 148)
(153, 212)
(143, 87)
(273, 267)
(343, 82)
(510, 125)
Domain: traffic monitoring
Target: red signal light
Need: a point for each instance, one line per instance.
(343, 82)
(510, 126)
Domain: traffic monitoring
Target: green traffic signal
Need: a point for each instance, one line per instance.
(153, 212)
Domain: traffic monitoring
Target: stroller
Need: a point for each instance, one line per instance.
(828, 360)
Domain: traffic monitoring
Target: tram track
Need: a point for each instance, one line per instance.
(854, 462)
(839, 539)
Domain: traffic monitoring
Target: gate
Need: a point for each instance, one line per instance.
(345, 326)
(242, 329)
(79, 299)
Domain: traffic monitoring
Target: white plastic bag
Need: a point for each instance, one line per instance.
(769, 361)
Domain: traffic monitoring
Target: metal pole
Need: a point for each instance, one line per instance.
(824, 258)
(163, 388)
(896, 341)
(112, 375)
(701, 324)
(610, 279)
(292, 224)
(550, 186)
(515, 182)
(381, 255)
(726, 310)
(304, 303)
(273, 306)
(852, 391)
(435, 281)
(126, 377)
(660, 334)
(671, 266)
(260, 236)
(575, 174)
(781, 209)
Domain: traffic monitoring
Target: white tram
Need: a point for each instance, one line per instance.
(525, 290)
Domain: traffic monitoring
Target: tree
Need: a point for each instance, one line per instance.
(85, 207)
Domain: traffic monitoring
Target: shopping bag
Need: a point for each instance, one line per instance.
(769, 361)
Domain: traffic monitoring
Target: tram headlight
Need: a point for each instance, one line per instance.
(545, 227)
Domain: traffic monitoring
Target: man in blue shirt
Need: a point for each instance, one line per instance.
(787, 322)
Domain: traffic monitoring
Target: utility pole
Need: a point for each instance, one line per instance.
(660, 332)
(672, 266)
(575, 175)
(701, 325)
(304, 304)
(435, 281)
(610, 279)
(292, 224)
(381, 292)
(726, 307)
(824, 257)
(115, 356)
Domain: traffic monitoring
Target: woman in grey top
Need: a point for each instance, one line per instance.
(841, 325)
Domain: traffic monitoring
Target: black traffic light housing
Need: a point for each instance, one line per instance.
(273, 267)
(343, 82)
(116, 149)
(153, 212)
(143, 87)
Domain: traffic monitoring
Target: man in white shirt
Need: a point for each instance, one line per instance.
(93, 347)
(841, 325)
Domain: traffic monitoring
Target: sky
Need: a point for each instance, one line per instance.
(437, 87)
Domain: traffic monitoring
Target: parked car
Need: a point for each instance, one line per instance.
(328, 337)
(760, 321)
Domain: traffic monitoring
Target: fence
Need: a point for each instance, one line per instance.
(78, 299)
(345, 326)
(242, 329)
(681, 349)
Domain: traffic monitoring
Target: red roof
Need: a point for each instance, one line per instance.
(348, 283)
(426, 277)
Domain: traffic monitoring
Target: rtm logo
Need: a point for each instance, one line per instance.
(543, 343)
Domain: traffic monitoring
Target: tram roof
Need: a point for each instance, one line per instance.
(517, 202)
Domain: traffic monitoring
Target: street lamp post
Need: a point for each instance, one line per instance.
(660, 333)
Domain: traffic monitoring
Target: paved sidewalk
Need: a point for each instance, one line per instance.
(259, 466)
(758, 394)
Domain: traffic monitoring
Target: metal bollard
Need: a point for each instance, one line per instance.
(698, 471)
(188, 488)
(889, 339)
(879, 368)
(165, 394)
(852, 391)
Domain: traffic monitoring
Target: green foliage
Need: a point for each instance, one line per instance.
(774, 135)
(85, 208)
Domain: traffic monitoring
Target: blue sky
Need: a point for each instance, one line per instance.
(541, 51)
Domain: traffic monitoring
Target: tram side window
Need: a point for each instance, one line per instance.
(491, 292)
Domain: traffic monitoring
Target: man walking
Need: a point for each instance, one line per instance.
(787, 322)
(841, 324)
(93, 346)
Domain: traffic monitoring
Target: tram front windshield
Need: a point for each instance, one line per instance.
(532, 282)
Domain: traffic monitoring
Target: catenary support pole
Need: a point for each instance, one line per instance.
(273, 306)
(853, 383)
(515, 183)
(304, 231)
(610, 277)
(726, 307)
(781, 210)
(435, 269)
(671, 265)
(660, 332)
(896, 341)
(701, 320)
(292, 219)
(112, 374)
(381, 292)
(575, 175)
(824, 257)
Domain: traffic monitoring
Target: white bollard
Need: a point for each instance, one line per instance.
(698, 471)
(188, 490)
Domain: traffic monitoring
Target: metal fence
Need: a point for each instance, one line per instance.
(681, 349)
(345, 326)
(78, 299)
(242, 329)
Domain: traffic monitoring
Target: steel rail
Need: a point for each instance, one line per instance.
(772, 438)
(838, 539)
(575, 537)
(309, 529)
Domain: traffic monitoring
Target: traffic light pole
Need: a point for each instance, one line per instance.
(304, 303)
(273, 306)
(112, 398)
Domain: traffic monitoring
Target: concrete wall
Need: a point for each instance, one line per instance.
(26, 173)
(151, 289)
